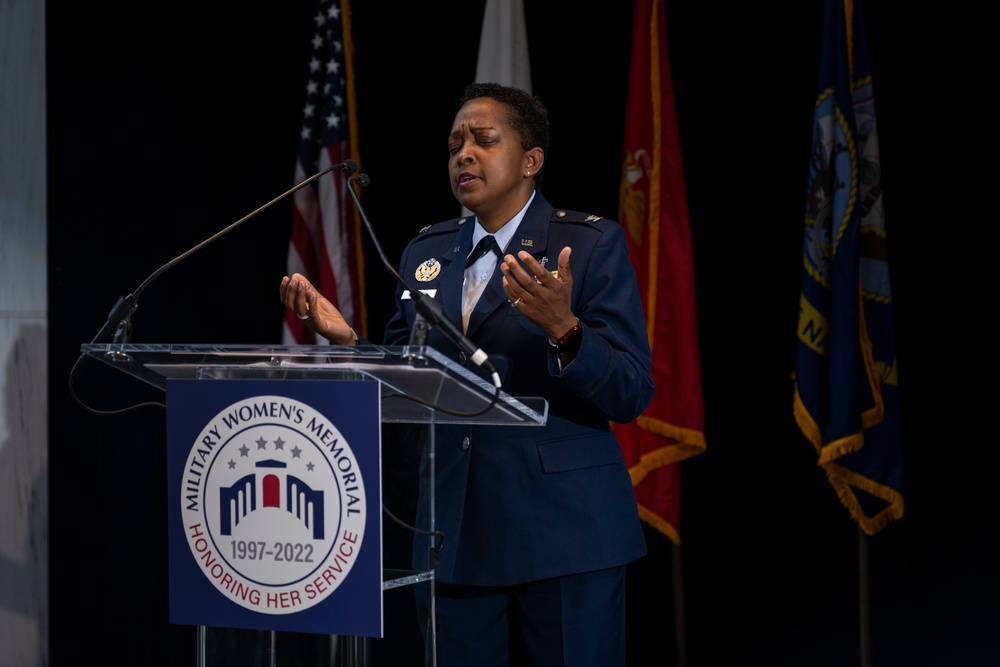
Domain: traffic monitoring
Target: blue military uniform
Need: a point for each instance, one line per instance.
(525, 503)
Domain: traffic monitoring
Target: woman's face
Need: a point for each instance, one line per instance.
(487, 164)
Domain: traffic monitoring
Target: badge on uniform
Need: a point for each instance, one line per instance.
(543, 261)
(428, 271)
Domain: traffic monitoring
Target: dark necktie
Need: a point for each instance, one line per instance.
(486, 244)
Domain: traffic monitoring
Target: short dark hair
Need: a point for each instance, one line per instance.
(527, 115)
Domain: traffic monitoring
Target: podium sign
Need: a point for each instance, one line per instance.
(274, 473)
(274, 497)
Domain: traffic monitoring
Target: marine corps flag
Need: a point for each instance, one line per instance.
(653, 210)
(846, 394)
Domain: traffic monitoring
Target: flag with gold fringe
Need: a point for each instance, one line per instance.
(653, 209)
(325, 244)
(846, 391)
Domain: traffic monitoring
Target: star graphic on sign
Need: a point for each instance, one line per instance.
(296, 452)
(232, 464)
(279, 444)
(261, 443)
(310, 467)
(243, 450)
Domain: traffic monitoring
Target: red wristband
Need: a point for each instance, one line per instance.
(562, 341)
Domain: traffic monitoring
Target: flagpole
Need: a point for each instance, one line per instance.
(679, 624)
(864, 616)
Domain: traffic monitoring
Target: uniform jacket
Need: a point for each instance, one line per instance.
(523, 503)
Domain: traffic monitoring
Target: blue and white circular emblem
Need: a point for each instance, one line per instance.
(832, 187)
(273, 505)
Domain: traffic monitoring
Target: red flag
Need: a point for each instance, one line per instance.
(653, 209)
(325, 243)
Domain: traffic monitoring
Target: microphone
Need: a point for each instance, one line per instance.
(120, 317)
(427, 308)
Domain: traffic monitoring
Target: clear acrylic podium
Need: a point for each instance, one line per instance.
(417, 384)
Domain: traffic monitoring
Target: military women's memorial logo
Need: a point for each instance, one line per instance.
(272, 500)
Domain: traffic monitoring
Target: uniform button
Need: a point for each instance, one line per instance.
(466, 443)
(462, 358)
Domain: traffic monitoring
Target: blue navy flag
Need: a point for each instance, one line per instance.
(846, 391)
(325, 244)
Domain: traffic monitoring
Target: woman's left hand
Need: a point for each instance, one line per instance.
(541, 296)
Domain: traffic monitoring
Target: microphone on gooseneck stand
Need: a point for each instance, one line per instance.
(118, 328)
(427, 308)
(120, 318)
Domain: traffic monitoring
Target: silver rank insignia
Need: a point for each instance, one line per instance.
(428, 271)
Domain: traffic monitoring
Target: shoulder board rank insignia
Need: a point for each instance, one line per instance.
(593, 218)
(428, 271)
(424, 229)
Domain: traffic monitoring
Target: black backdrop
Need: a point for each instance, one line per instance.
(169, 122)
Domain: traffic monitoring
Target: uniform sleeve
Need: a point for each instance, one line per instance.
(613, 369)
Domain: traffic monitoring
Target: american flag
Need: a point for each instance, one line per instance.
(325, 244)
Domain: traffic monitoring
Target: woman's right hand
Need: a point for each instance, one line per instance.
(315, 310)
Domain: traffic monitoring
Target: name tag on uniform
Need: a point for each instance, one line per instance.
(429, 292)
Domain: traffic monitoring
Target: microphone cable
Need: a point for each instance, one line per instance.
(430, 310)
